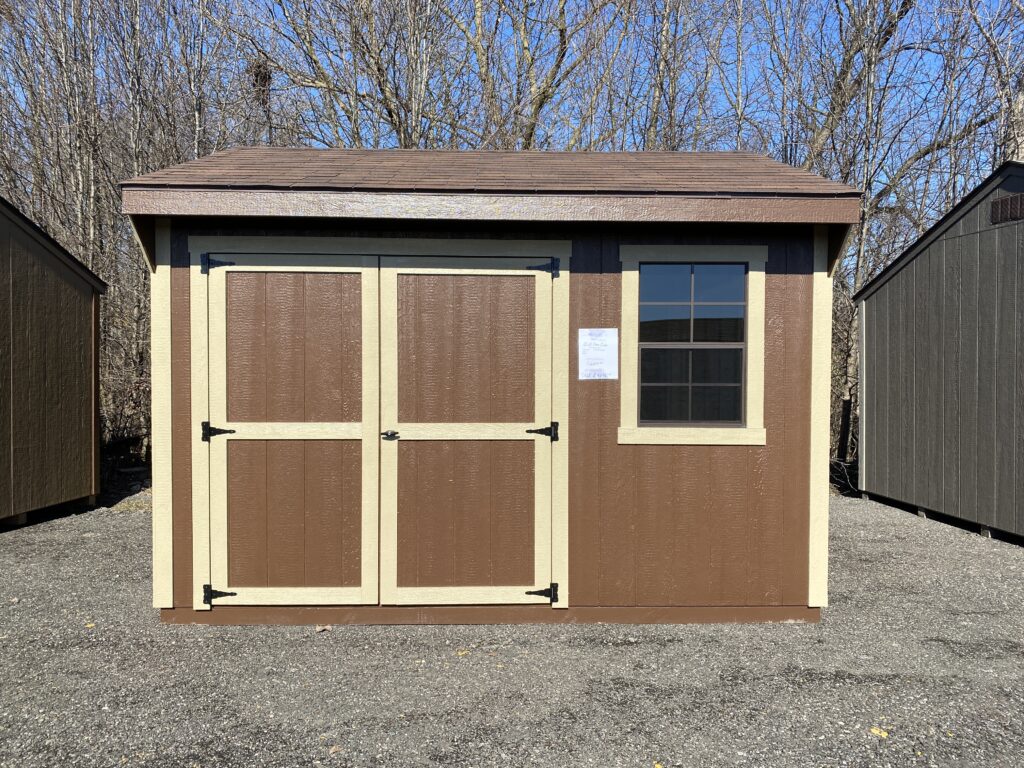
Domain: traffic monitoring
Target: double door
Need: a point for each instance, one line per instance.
(379, 430)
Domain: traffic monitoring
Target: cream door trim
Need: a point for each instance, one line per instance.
(820, 437)
(391, 268)
(210, 488)
(160, 388)
(200, 375)
(753, 431)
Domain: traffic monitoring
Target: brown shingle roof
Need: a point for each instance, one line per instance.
(634, 173)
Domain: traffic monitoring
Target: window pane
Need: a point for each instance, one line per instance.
(718, 366)
(664, 366)
(665, 282)
(718, 323)
(719, 282)
(716, 404)
(664, 323)
(660, 403)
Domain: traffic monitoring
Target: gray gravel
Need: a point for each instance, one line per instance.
(919, 661)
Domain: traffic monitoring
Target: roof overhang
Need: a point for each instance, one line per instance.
(490, 207)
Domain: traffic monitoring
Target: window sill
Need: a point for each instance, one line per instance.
(692, 436)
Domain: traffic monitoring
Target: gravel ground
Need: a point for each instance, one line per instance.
(919, 661)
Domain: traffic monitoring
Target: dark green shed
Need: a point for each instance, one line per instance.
(942, 364)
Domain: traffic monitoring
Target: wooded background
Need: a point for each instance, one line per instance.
(911, 102)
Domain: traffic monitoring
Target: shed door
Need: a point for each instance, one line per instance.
(465, 487)
(293, 376)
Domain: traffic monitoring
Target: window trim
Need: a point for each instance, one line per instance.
(752, 431)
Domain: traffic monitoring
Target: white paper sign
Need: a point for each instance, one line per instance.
(599, 353)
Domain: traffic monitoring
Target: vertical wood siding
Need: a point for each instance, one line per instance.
(649, 525)
(944, 343)
(47, 377)
(693, 525)
(6, 301)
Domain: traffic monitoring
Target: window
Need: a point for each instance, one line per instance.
(691, 337)
(692, 345)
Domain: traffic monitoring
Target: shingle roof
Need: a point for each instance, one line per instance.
(578, 173)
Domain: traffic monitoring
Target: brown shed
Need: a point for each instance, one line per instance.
(49, 400)
(464, 387)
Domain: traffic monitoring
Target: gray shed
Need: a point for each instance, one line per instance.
(49, 394)
(942, 364)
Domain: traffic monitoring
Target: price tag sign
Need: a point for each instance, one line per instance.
(599, 353)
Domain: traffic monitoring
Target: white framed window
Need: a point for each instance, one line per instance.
(692, 345)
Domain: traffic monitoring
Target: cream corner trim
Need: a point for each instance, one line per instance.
(753, 431)
(862, 467)
(160, 355)
(821, 368)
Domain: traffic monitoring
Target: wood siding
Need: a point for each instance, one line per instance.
(294, 513)
(944, 373)
(294, 347)
(465, 513)
(650, 526)
(48, 399)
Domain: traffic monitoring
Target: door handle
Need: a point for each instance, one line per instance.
(389, 435)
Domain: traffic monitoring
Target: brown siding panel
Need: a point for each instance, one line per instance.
(181, 420)
(466, 348)
(649, 525)
(52, 385)
(294, 512)
(465, 513)
(688, 525)
(294, 347)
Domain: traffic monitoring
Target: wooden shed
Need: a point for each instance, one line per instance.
(942, 364)
(475, 387)
(49, 371)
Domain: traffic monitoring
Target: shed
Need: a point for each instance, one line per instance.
(942, 364)
(472, 387)
(49, 371)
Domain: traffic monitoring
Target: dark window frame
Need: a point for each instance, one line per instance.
(692, 303)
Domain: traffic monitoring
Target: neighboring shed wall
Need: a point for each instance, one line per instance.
(649, 525)
(943, 373)
(48, 314)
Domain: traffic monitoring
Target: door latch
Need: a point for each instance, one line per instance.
(389, 435)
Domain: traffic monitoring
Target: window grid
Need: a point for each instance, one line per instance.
(691, 345)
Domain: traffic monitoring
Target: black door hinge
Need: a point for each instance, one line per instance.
(551, 593)
(551, 431)
(206, 263)
(389, 435)
(551, 266)
(209, 431)
(210, 594)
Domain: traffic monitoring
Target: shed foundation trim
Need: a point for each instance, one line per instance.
(488, 614)
(489, 207)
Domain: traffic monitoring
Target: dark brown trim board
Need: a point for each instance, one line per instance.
(487, 614)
